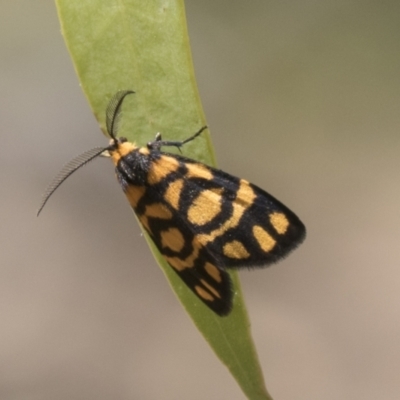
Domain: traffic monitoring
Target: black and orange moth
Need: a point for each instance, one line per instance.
(202, 220)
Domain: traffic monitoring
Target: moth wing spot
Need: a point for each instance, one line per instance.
(203, 293)
(210, 288)
(245, 195)
(213, 271)
(160, 168)
(173, 239)
(205, 207)
(279, 222)
(134, 193)
(173, 193)
(235, 249)
(264, 239)
(198, 171)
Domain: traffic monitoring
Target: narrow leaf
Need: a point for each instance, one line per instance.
(144, 46)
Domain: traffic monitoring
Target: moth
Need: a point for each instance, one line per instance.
(202, 220)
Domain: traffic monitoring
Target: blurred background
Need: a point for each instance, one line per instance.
(302, 98)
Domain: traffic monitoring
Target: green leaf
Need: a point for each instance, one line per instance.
(144, 46)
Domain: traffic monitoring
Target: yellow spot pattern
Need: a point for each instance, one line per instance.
(134, 194)
(235, 249)
(173, 193)
(205, 207)
(173, 239)
(160, 168)
(264, 239)
(210, 288)
(279, 222)
(203, 293)
(213, 271)
(198, 171)
(245, 195)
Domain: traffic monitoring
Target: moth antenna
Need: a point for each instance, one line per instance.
(69, 169)
(113, 112)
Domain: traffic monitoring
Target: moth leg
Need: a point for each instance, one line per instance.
(157, 143)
